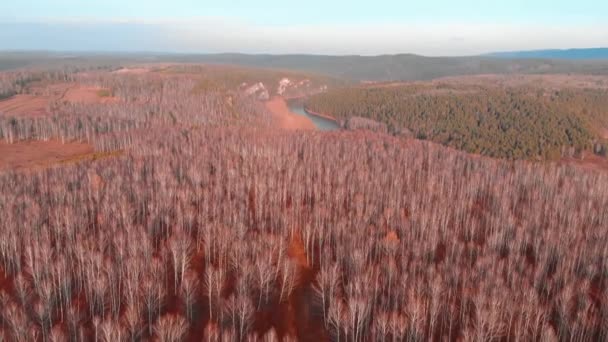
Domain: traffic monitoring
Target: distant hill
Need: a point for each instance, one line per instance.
(574, 54)
(404, 67)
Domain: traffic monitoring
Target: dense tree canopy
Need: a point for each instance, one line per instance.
(514, 123)
(238, 234)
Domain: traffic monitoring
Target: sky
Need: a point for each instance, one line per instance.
(372, 27)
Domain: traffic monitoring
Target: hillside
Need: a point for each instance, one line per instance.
(260, 83)
(572, 54)
(403, 67)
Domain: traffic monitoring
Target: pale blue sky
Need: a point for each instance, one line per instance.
(432, 27)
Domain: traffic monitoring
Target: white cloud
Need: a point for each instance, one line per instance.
(427, 39)
(212, 34)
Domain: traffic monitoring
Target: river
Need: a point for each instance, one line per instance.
(322, 124)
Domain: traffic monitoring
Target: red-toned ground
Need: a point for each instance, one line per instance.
(590, 162)
(391, 237)
(25, 105)
(284, 118)
(88, 95)
(135, 71)
(300, 320)
(37, 105)
(32, 154)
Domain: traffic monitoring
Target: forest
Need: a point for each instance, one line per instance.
(520, 122)
(211, 225)
(230, 235)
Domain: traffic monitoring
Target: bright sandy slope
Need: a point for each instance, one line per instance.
(284, 118)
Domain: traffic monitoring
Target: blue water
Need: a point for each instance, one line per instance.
(321, 123)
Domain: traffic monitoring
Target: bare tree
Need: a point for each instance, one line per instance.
(240, 310)
(16, 320)
(181, 253)
(43, 316)
(133, 322)
(57, 334)
(112, 331)
(74, 319)
(271, 336)
(23, 289)
(288, 279)
(325, 288)
(264, 276)
(189, 293)
(381, 326)
(154, 296)
(213, 284)
(212, 332)
(171, 328)
(337, 319)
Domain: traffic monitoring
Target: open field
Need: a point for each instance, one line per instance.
(24, 105)
(32, 154)
(590, 162)
(88, 95)
(134, 71)
(38, 105)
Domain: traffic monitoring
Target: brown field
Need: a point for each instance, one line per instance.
(590, 162)
(32, 154)
(286, 119)
(37, 105)
(25, 105)
(134, 71)
(88, 95)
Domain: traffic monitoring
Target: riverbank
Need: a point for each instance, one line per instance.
(321, 115)
(284, 118)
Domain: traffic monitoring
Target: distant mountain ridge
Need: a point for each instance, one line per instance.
(401, 67)
(573, 54)
(404, 67)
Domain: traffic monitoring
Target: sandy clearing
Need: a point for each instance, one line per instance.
(284, 118)
(37, 105)
(31, 154)
(133, 71)
(87, 95)
(24, 105)
(604, 133)
(591, 162)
